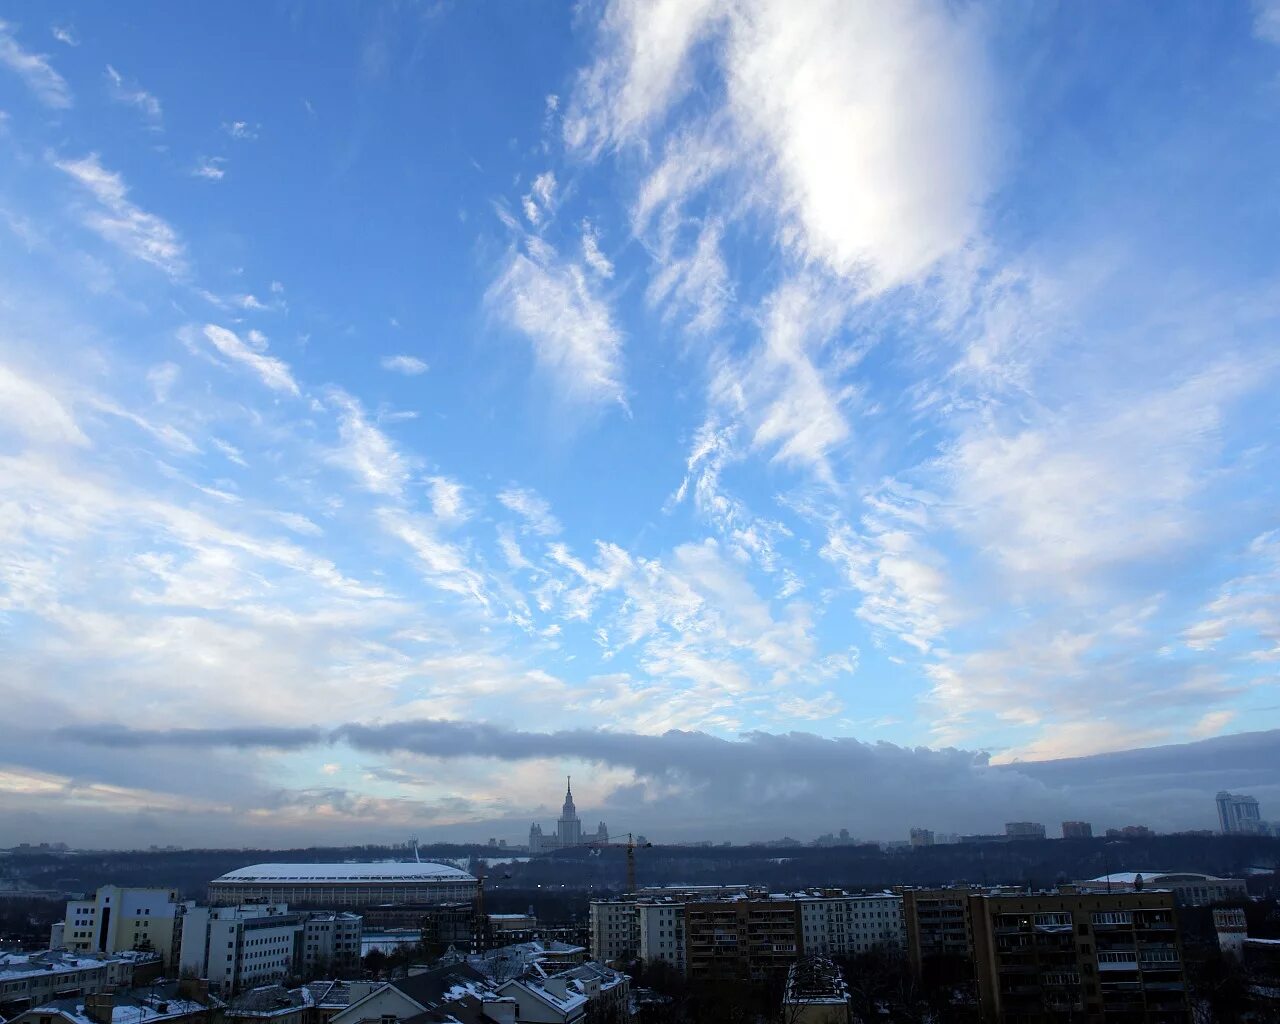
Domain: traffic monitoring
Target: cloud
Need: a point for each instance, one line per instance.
(366, 452)
(552, 302)
(35, 413)
(869, 125)
(1266, 20)
(410, 366)
(34, 70)
(140, 234)
(241, 129)
(210, 168)
(533, 509)
(1246, 608)
(797, 780)
(273, 372)
(134, 96)
(65, 35)
(448, 500)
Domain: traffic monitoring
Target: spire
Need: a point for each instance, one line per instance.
(569, 811)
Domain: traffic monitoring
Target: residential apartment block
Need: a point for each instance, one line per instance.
(1078, 956)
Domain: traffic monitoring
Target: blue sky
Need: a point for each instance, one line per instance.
(901, 375)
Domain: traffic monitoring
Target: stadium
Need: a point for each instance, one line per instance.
(344, 885)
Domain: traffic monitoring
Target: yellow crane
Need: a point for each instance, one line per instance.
(630, 846)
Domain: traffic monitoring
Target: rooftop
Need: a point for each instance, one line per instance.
(385, 871)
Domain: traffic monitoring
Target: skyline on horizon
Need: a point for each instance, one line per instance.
(850, 415)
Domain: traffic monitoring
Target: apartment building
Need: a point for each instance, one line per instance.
(31, 979)
(1190, 888)
(117, 919)
(332, 941)
(745, 938)
(938, 931)
(236, 948)
(1093, 957)
(614, 930)
(840, 924)
(661, 931)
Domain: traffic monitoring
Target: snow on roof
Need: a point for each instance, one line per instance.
(386, 871)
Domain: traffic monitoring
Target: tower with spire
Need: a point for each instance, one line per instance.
(568, 830)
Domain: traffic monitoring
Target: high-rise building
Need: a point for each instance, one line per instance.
(1078, 956)
(117, 919)
(568, 829)
(921, 837)
(1024, 830)
(1077, 830)
(938, 931)
(1239, 814)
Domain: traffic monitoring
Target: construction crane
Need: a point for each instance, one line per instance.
(630, 846)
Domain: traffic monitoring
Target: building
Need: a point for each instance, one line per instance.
(921, 837)
(1232, 929)
(1077, 830)
(568, 831)
(815, 993)
(835, 923)
(331, 943)
(1240, 815)
(1078, 956)
(661, 931)
(450, 990)
(1130, 832)
(1190, 888)
(117, 919)
(938, 932)
(1024, 830)
(237, 948)
(344, 885)
(146, 1006)
(741, 939)
(614, 930)
(33, 979)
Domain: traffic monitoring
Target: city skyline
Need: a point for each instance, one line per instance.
(843, 415)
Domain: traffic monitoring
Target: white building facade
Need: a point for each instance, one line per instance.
(241, 947)
(332, 941)
(661, 932)
(845, 924)
(568, 831)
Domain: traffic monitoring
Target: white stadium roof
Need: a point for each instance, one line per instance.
(387, 871)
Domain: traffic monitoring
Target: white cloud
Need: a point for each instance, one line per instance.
(232, 453)
(540, 201)
(410, 366)
(868, 125)
(533, 509)
(34, 70)
(1247, 607)
(134, 96)
(790, 402)
(574, 337)
(162, 378)
(273, 372)
(1064, 499)
(138, 233)
(643, 66)
(210, 168)
(35, 413)
(241, 129)
(591, 254)
(1266, 20)
(448, 500)
(65, 35)
(366, 452)
(875, 117)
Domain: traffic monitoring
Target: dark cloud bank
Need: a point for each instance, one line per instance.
(691, 784)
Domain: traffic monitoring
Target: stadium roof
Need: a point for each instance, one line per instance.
(387, 871)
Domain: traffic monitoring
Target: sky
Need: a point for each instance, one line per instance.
(779, 417)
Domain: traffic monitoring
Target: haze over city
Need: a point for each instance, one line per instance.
(781, 417)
